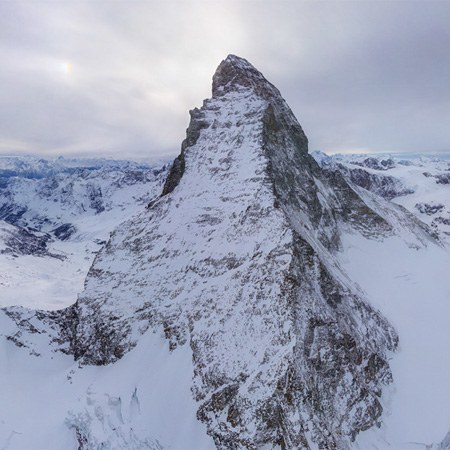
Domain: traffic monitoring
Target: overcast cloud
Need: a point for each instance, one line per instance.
(117, 78)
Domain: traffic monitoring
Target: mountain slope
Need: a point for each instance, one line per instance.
(420, 184)
(239, 266)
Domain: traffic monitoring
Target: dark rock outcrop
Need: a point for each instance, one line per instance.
(429, 208)
(18, 241)
(64, 231)
(384, 185)
(376, 164)
(443, 178)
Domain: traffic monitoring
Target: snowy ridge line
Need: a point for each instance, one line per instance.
(420, 184)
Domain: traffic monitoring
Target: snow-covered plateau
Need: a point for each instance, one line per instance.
(247, 296)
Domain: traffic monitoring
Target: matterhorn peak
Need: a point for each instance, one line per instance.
(234, 72)
(236, 269)
(239, 250)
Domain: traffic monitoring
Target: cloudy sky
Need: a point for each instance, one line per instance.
(117, 78)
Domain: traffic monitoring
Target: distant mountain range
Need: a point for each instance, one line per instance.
(64, 209)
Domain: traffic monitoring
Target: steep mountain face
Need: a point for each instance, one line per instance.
(237, 265)
(239, 249)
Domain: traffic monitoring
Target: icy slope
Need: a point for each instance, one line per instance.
(412, 288)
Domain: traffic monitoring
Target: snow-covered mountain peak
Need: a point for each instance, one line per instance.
(234, 73)
(238, 86)
(237, 266)
(239, 249)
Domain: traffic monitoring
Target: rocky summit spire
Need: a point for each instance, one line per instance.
(292, 171)
(234, 72)
(235, 76)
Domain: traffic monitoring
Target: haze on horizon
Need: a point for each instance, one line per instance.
(118, 78)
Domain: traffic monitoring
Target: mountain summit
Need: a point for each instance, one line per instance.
(235, 72)
(236, 265)
(236, 261)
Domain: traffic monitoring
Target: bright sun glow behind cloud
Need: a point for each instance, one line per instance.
(66, 68)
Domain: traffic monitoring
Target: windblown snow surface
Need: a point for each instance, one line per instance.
(412, 288)
(141, 402)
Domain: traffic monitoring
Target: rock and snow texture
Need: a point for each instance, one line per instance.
(64, 191)
(141, 402)
(236, 262)
(241, 267)
(412, 288)
(18, 241)
(55, 215)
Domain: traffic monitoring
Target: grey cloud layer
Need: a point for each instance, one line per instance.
(119, 77)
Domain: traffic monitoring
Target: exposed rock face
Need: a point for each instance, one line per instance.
(443, 178)
(377, 164)
(384, 185)
(95, 198)
(236, 261)
(442, 220)
(64, 231)
(17, 241)
(429, 208)
(32, 328)
(403, 181)
(381, 184)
